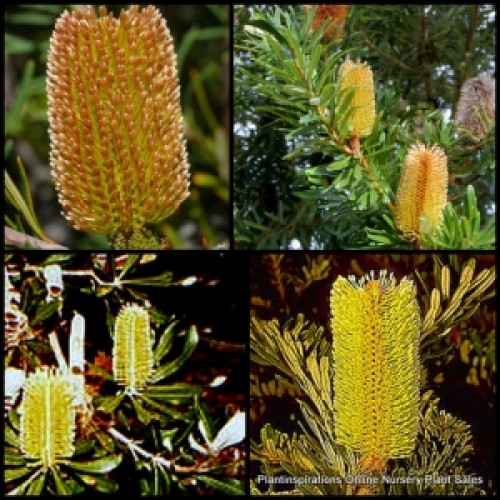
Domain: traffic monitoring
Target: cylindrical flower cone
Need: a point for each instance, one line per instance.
(48, 417)
(133, 348)
(476, 107)
(359, 76)
(118, 152)
(422, 191)
(376, 328)
(335, 15)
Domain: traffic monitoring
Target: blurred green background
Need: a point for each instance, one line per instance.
(201, 37)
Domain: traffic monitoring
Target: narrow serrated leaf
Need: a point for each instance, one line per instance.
(96, 466)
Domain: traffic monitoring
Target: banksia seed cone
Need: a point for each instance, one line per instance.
(376, 327)
(48, 417)
(476, 106)
(118, 152)
(422, 191)
(359, 76)
(133, 348)
(335, 15)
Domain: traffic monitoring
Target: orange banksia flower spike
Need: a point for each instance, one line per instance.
(422, 191)
(476, 106)
(335, 15)
(359, 76)
(118, 152)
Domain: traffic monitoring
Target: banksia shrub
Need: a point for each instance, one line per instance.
(116, 131)
(359, 76)
(335, 15)
(476, 106)
(133, 348)
(48, 417)
(422, 191)
(376, 328)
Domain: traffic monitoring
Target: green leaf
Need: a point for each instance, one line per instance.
(176, 393)
(13, 474)
(169, 368)
(101, 372)
(142, 414)
(109, 404)
(100, 483)
(163, 279)
(10, 437)
(106, 441)
(45, 311)
(131, 260)
(165, 344)
(31, 18)
(226, 486)
(13, 457)
(340, 164)
(36, 486)
(18, 45)
(61, 488)
(96, 466)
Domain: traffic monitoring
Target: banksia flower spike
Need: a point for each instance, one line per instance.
(476, 106)
(422, 191)
(335, 15)
(48, 417)
(359, 76)
(116, 131)
(133, 348)
(376, 327)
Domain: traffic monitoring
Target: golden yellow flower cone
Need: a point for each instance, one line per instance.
(48, 417)
(133, 348)
(359, 76)
(376, 327)
(422, 191)
(333, 13)
(116, 131)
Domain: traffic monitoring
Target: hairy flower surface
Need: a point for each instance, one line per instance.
(116, 131)
(335, 15)
(48, 417)
(422, 190)
(376, 327)
(359, 76)
(133, 348)
(476, 106)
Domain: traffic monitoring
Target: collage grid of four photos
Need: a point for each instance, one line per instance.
(249, 250)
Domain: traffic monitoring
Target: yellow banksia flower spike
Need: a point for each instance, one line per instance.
(118, 152)
(422, 191)
(359, 76)
(376, 328)
(133, 348)
(48, 417)
(335, 15)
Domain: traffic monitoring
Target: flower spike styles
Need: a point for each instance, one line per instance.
(359, 76)
(376, 328)
(133, 348)
(422, 191)
(48, 417)
(118, 152)
(335, 14)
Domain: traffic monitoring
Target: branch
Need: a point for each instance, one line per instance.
(21, 240)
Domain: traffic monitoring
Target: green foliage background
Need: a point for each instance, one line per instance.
(201, 36)
(294, 187)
